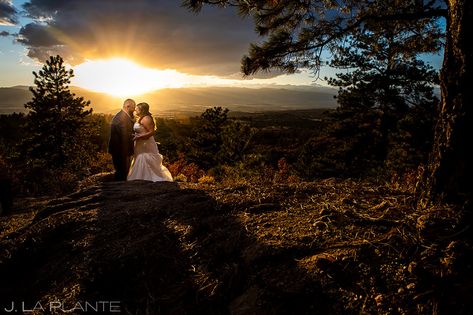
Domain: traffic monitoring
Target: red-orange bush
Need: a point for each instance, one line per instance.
(190, 170)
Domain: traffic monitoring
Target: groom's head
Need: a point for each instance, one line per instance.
(129, 106)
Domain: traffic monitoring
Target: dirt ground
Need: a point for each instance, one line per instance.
(326, 247)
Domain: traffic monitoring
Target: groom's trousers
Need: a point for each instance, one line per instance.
(122, 166)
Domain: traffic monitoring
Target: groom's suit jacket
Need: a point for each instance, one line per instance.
(121, 135)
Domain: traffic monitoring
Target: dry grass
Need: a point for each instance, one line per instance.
(329, 246)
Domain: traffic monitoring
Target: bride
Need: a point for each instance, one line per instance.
(147, 162)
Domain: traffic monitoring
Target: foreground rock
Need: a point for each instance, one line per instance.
(331, 246)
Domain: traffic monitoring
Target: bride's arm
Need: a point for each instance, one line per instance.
(148, 125)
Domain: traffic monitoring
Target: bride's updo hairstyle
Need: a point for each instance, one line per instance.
(144, 110)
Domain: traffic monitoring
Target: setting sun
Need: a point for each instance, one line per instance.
(122, 77)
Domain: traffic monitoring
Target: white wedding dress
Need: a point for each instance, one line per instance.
(147, 162)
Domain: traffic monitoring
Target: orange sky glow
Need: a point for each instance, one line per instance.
(123, 77)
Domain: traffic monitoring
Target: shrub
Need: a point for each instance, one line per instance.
(191, 171)
(180, 178)
(206, 179)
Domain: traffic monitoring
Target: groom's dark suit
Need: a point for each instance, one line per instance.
(121, 144)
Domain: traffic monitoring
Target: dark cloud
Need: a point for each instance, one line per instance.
(43, 53)
(36, 35)
(7, 13)
(159, 34)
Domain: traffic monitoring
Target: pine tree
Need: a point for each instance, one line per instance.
(207, 139)
(218, 140)
(56, 122)
(382, 73)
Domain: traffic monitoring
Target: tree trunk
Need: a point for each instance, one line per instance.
(449, 174)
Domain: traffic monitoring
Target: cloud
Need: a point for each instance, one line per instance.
(157, 34)
(7, 13)
(35, 35)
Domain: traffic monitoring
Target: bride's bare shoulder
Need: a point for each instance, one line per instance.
(147, 119)
(147, 122)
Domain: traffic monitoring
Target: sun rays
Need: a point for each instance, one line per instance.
(122, 77)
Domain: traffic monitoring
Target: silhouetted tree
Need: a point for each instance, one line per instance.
(58, 134)
(351, 144)
(207, 137)
(450, 168)
(298, 31)
(382, 73)
(218, 140)
(382, 69)
(236, 139)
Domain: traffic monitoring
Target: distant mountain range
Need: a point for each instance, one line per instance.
(194, 100)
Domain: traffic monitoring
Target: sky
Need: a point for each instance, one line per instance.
(123, 46)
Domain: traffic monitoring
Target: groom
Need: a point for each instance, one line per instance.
(121, 139)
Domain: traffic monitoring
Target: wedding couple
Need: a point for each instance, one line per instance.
(136, 139)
